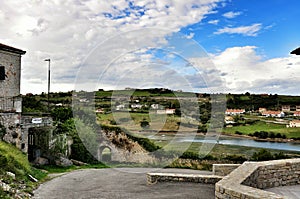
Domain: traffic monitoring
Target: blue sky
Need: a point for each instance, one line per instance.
(277, 36)
(201, 45)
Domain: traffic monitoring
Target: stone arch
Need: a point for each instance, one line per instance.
(105, 153)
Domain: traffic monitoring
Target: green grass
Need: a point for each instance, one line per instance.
(16, 160)
(263, 126)
(219, 150)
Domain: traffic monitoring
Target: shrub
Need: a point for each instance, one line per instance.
(262, 155)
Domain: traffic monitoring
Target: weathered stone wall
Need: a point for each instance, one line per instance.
(10, 87)
(224, 169)
(270, 175)
(172, 177)
(11, 122)
(248, 180)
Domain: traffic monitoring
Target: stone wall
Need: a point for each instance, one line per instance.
(10, 87)
(172, 177)
(11, 122)
(224, 169)
(274, 174)
(249, 180)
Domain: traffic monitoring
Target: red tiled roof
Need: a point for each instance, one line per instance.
(271, 112)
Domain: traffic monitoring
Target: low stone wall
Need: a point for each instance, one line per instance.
(224, 169)
(172, 177)
(248, 180)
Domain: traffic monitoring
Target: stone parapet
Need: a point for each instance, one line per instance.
(249, 180)
(172, 177)
(224, 169)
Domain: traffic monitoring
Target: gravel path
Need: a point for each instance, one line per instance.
(120, 183)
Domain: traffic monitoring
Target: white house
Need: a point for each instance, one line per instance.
(136, 106)
(273, 114)
(295, 123)
(296, 113)
(120, 107)
(170, 111)
(234, 111)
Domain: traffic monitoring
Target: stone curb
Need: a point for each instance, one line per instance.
(153, 178)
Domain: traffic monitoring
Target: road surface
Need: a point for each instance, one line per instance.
(120, 183)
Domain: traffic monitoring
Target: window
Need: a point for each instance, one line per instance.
(2, 73)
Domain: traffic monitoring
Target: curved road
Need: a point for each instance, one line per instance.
(120, 183)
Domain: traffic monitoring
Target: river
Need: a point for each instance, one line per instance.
(247, 142)
(227, 140)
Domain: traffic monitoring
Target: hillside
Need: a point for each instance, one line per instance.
(15, 172)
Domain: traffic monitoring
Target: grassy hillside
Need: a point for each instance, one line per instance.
(14, 161)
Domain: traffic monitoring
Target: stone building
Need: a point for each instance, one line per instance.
(10, 98)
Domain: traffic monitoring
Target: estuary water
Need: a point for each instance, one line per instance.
(246, 142)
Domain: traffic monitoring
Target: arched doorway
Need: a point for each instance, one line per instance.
(105, 154)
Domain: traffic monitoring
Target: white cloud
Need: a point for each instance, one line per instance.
(247, 71)
(231, 15)
(251, 30)
(67, 31)
(214, 22)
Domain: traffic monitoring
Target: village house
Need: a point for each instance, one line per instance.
(155, 106)
(298, 108)
(99, 110)
(273, 114)
(229, 120)
(170, 111)
(296, 113)
(262, 110)
(120, 107)
(285, 108)
(294, 123)
(234, 111)
(136, 106)
(166, 111)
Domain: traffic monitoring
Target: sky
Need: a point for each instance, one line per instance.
(228, 46)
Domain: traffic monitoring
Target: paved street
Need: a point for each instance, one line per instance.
(290, 192)
(120, 183)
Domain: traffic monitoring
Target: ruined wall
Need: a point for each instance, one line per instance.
(11, 122)
(10, 87)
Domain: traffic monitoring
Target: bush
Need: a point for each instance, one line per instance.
(262, 155)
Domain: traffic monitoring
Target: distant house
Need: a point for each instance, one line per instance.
(120, 107)
(229, 120)
(285, 108)
(136, 106)
(298, 108)
(99, 110)
(262, 110)
(273, 114)
(295, 123)
(170, 111)
(234, 111)
(155, 106)
(166, 111)
(296, 113)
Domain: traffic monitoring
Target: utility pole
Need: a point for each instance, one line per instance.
(48, 60)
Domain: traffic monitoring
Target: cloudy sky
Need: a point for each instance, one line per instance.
(200, 45)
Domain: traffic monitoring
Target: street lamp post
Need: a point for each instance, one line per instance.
(48, 60)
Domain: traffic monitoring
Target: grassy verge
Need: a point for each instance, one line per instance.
(14, 161)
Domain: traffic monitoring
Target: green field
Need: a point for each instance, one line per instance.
(264, 126)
